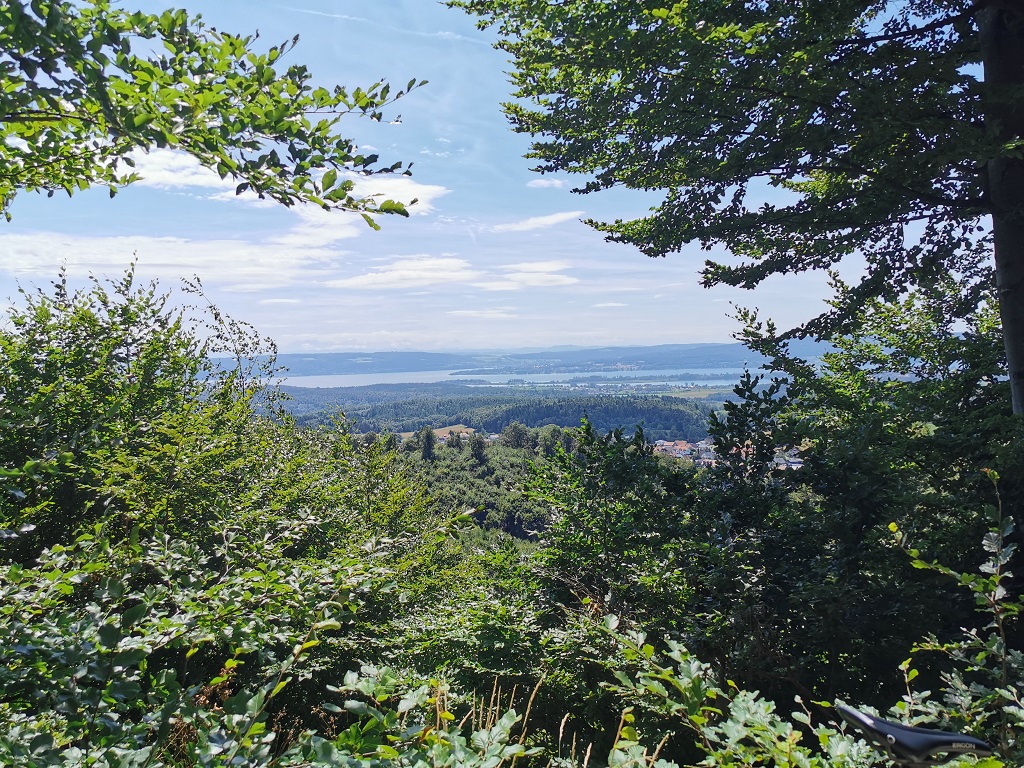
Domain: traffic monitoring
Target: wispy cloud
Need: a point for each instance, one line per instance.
(517, 281)
(455, 37)
(546, 183)
(440, 34)
(241, 265)
(411, 272)
(485, 314)
(424, 270)
(341, 16)
(537, 266)
(317, 228)
(250, 287)
(610, 304)
(280, 301)
(537, 222)
(529, 274)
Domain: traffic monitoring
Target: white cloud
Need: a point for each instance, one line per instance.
(546, 183)
(317, 228)
(498, 285)
(444, 35)
(486, 314)
(424, 270)
(529, 274)
(341, 16)
(610, 304)
(280, 301)
(403, 190)
(250, 287)
(411, 272)
(517, 281)
(240, 266)
(168, 169)
(539, 279)
(537, 222)
(537, 266)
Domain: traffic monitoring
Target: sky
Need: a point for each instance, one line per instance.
(494, 256)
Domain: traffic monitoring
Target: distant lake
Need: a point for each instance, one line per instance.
(707, 376)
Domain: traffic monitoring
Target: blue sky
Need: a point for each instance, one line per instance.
(494, 256)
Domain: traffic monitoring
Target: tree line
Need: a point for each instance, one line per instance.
(663, 417)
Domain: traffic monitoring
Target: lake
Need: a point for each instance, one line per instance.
(706, 376)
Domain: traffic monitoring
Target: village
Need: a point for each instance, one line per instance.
(702, 453)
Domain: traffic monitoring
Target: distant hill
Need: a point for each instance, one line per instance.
(640, 358)
(337, 363)
(407, 407)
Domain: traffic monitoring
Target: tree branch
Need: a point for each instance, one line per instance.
(916, 31)
(42, 116)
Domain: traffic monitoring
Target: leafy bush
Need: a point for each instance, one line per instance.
(893, 424)
(983, 674)
(108, 646)
(620, 533)
(981, 686)
(110, 400)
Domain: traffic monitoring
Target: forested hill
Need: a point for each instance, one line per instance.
(408, 407)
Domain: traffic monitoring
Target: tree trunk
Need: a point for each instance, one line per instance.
(1001, 29)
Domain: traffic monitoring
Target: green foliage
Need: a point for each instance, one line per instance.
(983, 676)
(620, 534)
(478, 448)
(729, 726)
(488, 481)
(980, 688)
(893, 425)
(180, 608)
(107, 643)
(87, 84)
(124, 409)
(95, 377)
(107, 648)
(551, 437)
(517, 435)
(381, 498)
(426, 441)
(190, 578)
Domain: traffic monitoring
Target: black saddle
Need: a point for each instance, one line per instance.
(913, 746)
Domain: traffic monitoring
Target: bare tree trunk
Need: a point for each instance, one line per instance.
(1002, 42)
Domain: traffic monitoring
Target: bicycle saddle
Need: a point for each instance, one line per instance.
(913, 746)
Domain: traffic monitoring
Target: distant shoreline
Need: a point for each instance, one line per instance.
(491, 378)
